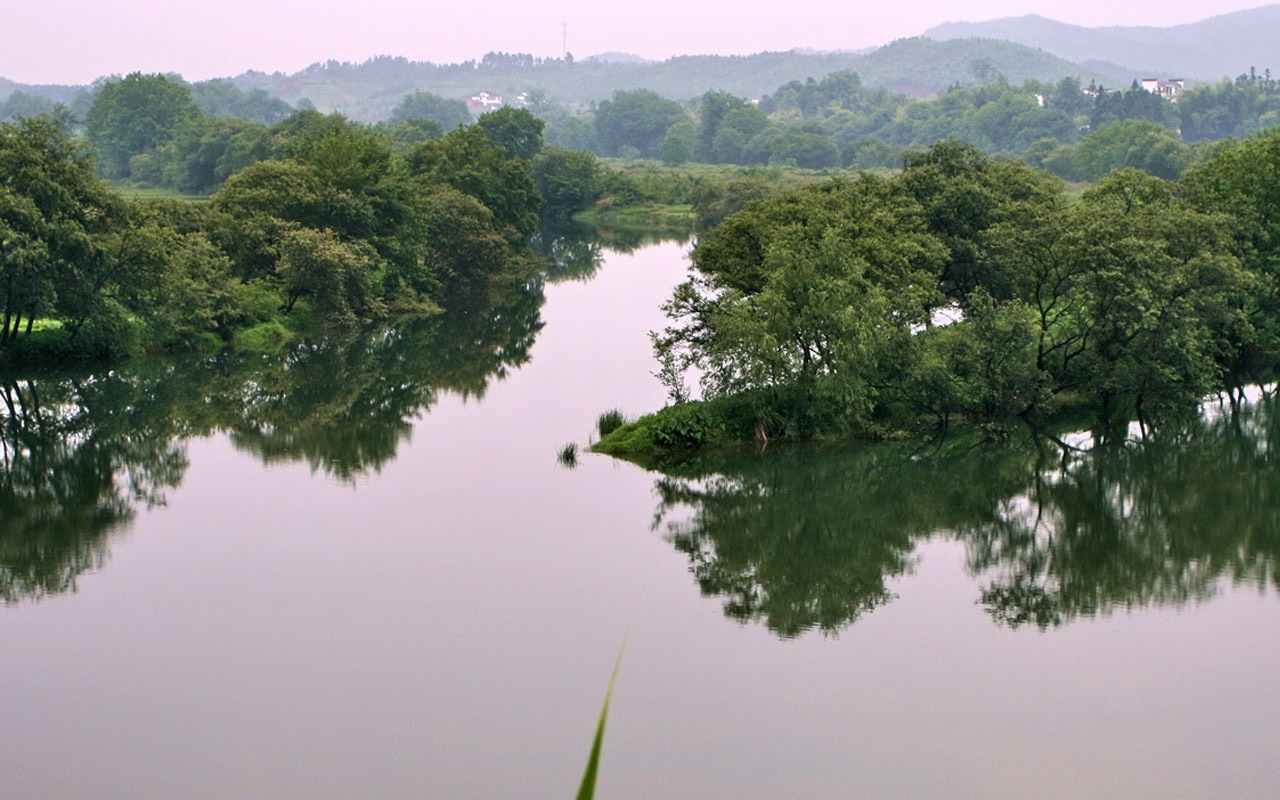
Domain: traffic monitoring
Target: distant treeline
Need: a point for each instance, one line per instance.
(1077, 132)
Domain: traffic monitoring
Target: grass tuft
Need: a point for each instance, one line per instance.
(610, 421)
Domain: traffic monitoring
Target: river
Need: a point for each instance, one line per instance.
(357, 569)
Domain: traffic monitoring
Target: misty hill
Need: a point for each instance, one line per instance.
(1222, 46)
(922, 67)
(918, 67)
(55, 92)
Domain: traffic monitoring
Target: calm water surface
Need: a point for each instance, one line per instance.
(357, 570)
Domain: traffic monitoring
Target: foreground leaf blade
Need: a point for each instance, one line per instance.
(588, 788)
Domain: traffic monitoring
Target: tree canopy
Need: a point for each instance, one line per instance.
(966, 288)
(133, 115)
(315, 218)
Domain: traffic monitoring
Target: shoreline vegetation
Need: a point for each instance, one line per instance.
(970, 292)
(160, 228)
(328, 225)
(824, 300)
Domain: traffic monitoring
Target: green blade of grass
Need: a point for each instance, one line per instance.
(588, 789)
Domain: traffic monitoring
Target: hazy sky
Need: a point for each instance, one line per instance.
(75, 41)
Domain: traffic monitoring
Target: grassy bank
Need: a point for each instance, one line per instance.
(647, 215)
(52, 343)
(679, 432)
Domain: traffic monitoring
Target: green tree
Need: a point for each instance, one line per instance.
(1136, 295)
(871, 153)
(715, 200)
(284, 190)
(568, 180)
(515, 130)
(1134, 103)
(807, 147)
(1242, 180)
(677, 145)
(133, 115)
(465, 248)
(445, 112)
(636, 119)
(738, 127)
(182, 286)
(712, 109)
(203, 153)
(467, 161)
(1135, 143)
(800, 296)
(20, 104)
(24, 255)
(575, 133)
(336, 276)
(759, 149)
(990, 359)
(404, 135)
(964, 193)
(1069, 96)
(222, 98)
(54, 217)
(346, 155)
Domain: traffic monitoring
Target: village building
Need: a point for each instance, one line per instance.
(1169, 90)
(482, 102)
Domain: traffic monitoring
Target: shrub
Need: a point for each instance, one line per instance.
(267, 337)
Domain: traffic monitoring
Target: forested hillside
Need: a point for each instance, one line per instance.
(369, 91)
(916, 67)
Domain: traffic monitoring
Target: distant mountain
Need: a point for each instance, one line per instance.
(918, 67)
(921, 67)
(1222, 46)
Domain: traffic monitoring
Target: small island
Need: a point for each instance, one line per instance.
(970, 290)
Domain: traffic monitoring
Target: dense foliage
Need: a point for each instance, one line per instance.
(314, 219)
(966, 288)
(155, 130)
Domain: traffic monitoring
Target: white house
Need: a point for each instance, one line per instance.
(484, 101)
(1169, 89)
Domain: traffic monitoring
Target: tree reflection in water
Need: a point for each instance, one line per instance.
(574, 251)
(811, 537)
(74, 469)
(81, 452)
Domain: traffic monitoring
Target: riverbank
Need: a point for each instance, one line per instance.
(52, 344)
(742, 422)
